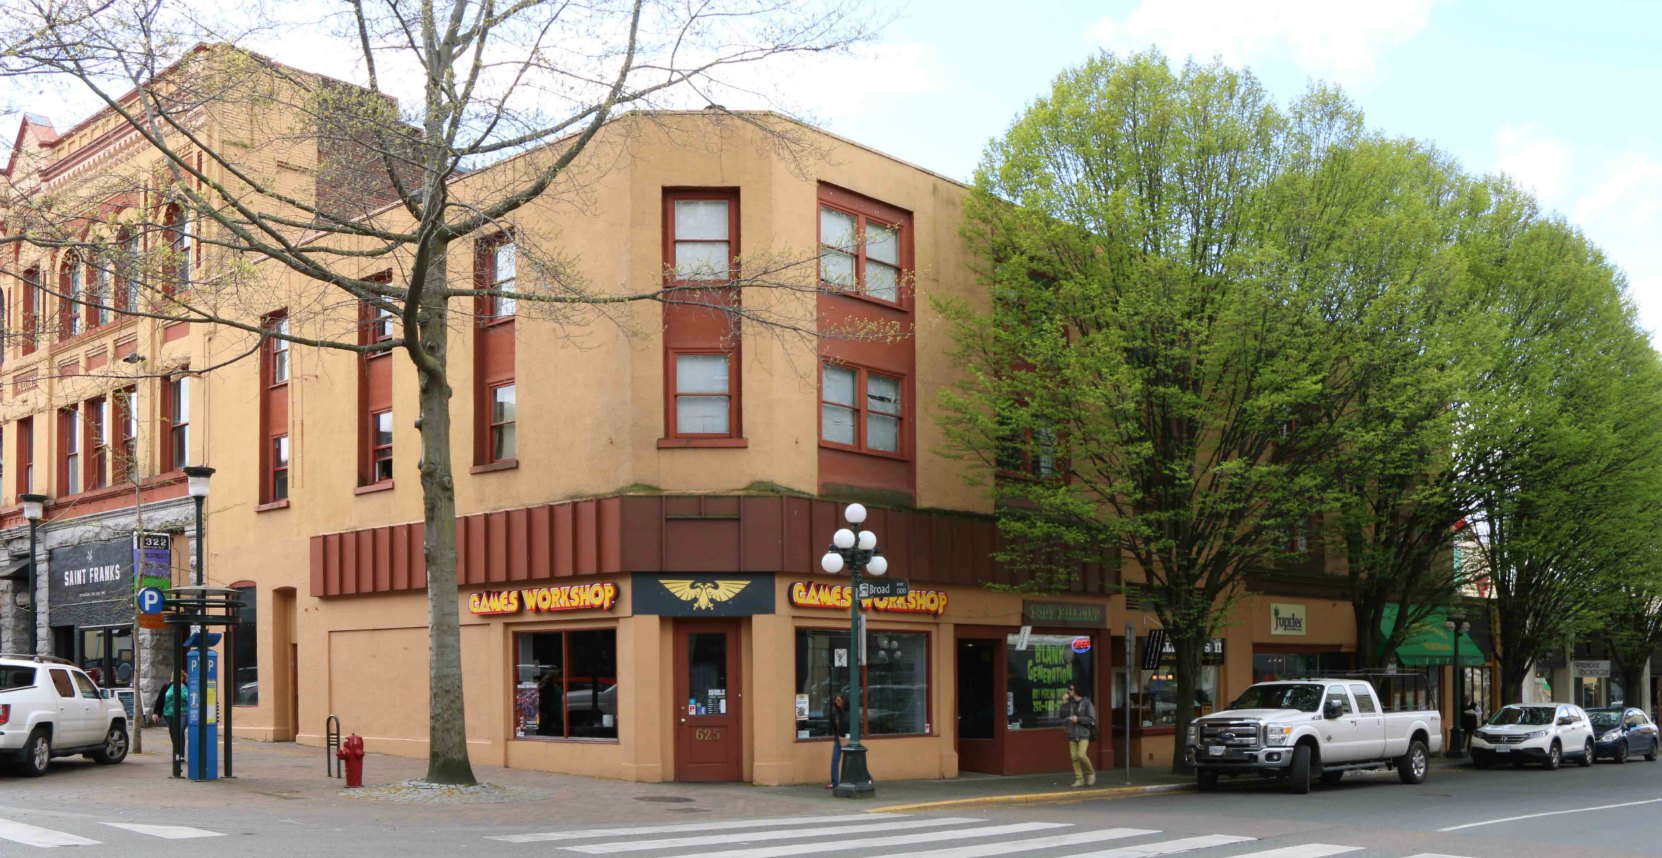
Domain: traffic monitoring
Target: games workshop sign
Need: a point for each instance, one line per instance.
(806, 594)
(546, 600)
(91, 584)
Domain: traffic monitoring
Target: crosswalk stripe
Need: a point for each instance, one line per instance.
(753, 836)
(587, 833)
(1168, 847)
(877, 842)
(46, 838)
(982, 850)
(1434, 855)
(1308, 850)
(167, 832)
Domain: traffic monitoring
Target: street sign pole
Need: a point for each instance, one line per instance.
(1130, 657)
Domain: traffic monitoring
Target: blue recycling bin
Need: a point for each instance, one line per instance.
(202, 746)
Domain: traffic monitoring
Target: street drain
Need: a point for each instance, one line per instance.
(666, 799)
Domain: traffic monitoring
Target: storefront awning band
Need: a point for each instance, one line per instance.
(1430, 643)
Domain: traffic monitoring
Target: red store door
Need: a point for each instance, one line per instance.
(708, 742)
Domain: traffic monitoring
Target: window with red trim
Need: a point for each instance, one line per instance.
(97, 411)
(178, 271)
(498, 273)
(375, 394)
(275, 373)
(277, 349)
(98, 311)
(34, 305)
(176, 405)
(69, 442)
(503, 423)
(25, 455)
(380, 447)
(701, 348)
(127, 460)
(127, 281)
(279, 477)
(69, 300)
(860, 253)
(861, 409)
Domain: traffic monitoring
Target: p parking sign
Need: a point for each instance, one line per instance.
(151, 601)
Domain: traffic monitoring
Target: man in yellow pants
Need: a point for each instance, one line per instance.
(1081, 716)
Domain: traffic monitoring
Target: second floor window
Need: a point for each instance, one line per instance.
(503, 439)
(69, 316)
(280, 468)
(34, 309)
(278, 350)
(703, 394)
(860, 409)
(128, 463)
(130, 272)
(69, 435)
(178, 422)
(98, 297)
(380, 446)
(176, 230)
(96, 414)
(26, 455)
(858, 253)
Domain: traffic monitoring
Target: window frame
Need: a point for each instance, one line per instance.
(281, 453)
(34, 300)
(489, 307)
(492, 454)
(129, 416)
(178, 275)
(176, 404)
(375, 450)
(865, 211)
(726, 195)
(69, 450)
(565, 632)
(928, 636)
(276, 364)
(675, 394)
(70, 284)
(25, 432)
(861, 410)
(95, 414)
(248, 617)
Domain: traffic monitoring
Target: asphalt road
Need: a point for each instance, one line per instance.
(1607, 810)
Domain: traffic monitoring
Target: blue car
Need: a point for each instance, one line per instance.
(1622, 733)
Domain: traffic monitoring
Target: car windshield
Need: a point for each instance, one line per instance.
(1523, 715)
(1604, 719)
(1305, 698)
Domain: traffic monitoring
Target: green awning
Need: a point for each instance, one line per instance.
(1430, 643)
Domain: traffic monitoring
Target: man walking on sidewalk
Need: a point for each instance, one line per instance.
(1081, 716)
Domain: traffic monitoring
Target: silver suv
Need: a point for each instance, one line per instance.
(50, 708)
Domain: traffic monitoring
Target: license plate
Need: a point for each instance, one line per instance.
(1215, 750)
(1503, 750)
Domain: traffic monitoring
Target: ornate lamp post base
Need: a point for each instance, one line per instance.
(855, 779)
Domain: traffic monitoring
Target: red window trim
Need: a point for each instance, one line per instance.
(491, 457)
(375, 457)
(484, 277)
(126, 462)
(71, 285)
(176, 229)
(33, 296)
(565, 633)
(94, 450)
(68, 417)
(25, 454)
(860, 411)
(170, 408)
(272, 469)
(705, 342)
(270, 348)
(864, 209)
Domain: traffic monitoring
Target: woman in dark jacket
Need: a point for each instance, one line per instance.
(1081, 717)
(839, 732)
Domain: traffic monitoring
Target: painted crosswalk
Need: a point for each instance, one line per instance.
(41, 837)
(880, 835)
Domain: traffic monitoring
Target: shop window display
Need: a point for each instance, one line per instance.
(566, 685)
(896, 682)
(1039, 676)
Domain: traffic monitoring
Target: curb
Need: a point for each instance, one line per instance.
(1037, 798)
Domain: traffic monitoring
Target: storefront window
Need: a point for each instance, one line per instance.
(896, 682)
(566, 685)
(1039, 676)
(247, 639)
(107, 655)
(1272, 667)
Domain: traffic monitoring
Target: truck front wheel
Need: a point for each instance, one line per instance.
(1411, 767)
(1206, 780)
(1300, 770)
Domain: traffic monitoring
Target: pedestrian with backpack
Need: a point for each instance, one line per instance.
(1081, 729)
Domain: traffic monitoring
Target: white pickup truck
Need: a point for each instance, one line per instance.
(1310, 728)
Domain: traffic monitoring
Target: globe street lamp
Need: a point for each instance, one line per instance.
(34, 506)
(1457, 734)
(196, 477)
(857, 550)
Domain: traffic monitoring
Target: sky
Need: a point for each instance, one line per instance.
(1560, 96)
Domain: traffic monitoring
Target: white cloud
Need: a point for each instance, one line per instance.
(838, 86)
(1534, 158)
(1622, 213)
(1330, 39)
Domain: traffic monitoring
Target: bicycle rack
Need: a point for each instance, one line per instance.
(331, 744)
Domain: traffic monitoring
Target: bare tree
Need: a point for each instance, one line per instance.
(508, 99)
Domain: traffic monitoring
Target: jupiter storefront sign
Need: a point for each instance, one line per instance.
(806, 594)
(545, 600)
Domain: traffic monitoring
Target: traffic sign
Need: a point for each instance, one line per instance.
(151, 601)
(885, 587)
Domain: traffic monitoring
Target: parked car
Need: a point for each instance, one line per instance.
(1622, 733)
(50, 708)
(1316, 727)
(1544, 733)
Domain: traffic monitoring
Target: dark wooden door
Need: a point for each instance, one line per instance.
(708, 743)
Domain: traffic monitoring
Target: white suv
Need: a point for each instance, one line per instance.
(49, 708)
(1544, 733)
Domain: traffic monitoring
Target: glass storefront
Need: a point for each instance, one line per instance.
(1270, 667)
(106, 654)
(1039, 675)
(566, 685)
(896, 682)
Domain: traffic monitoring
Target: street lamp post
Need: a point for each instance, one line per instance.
(857, 550)
(197, 480)
(1457, 734)
(34, 506)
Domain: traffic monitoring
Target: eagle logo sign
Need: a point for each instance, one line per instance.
(705, 594)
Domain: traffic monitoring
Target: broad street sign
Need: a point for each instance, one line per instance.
(884, 587)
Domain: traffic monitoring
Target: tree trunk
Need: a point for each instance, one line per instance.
(1512, 673)
(447, 760)
(1188, 645)
(1367, 632)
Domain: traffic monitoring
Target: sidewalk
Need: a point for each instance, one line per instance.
(282, 778)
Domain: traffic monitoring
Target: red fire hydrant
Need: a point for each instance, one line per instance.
(352, 754)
